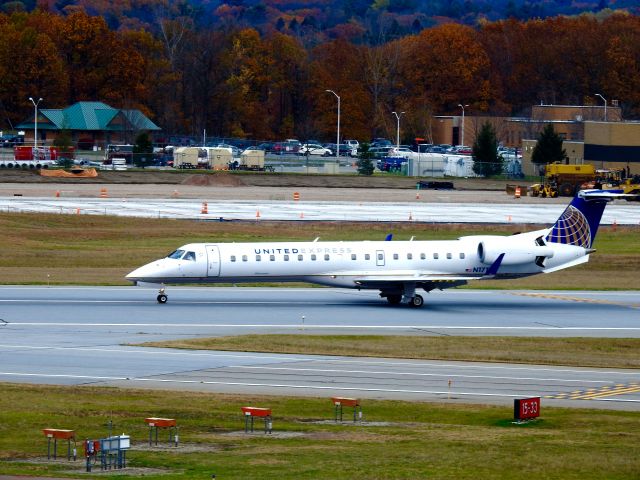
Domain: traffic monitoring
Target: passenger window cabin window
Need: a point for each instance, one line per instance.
(367, 256)
(300, 258)
(353, 256)
(272, 258)
(244, 258)
(436, 256)
(258, 258)
(449, 256)
(313, 257)
(409, 256)
(461, 255)
(395, 256)
(326, 257)
(233, 258)
(286, 258)
(423, 256)
(380, 256)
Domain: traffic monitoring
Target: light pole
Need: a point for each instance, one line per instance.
(462, 129)
(605, 105)
(398, 128)
(35, 119)
(338, 134)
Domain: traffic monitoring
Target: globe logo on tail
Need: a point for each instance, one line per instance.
(572, 228)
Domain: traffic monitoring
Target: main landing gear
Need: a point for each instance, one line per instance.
(162, 297)
(415, 301)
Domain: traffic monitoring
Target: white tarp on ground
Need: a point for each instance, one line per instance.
(621, 213)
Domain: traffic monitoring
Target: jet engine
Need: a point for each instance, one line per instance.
(514, 254)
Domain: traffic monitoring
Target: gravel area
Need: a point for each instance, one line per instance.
(256, 187)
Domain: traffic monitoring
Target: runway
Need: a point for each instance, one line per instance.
(621, 213)
(77, 336)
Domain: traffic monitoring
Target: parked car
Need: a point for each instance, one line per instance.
(348, 149)
(379, 152)
(288, 146)
(380, 142)
(401, 151)
(314, 149)
(266, 146)
(354, 144)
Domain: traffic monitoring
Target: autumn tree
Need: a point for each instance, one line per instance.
(338, 66)
(486, 161)
(446, 65)
(548, 148)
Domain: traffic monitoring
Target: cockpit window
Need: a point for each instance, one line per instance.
(176, 254)
(190, 256)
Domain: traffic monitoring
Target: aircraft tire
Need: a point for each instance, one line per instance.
(417, 301)
(162, 298)
(394, 299)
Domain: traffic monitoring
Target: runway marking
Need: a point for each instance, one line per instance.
(307, 326)
(254, 384)
(325, 358)
(601, 393)
(553, 296)
(412, 374)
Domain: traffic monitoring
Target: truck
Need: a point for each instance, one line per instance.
(28, 157)
(118, 152)
(563, 180)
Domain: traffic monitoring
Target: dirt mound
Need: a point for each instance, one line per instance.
(217, 180)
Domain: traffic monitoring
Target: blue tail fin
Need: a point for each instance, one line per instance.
(579, 223)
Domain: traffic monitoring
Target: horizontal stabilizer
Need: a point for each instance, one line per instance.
(603, 194)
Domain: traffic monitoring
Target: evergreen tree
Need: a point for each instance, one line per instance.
(365, 165)
(548, 148)
(64, 145)
(486, 161)
(143, 151)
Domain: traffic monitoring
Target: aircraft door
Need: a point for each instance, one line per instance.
(380, 258)
(213, 261)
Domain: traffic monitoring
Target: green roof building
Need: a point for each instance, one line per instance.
(90, 123)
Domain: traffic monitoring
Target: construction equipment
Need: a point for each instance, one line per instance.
(631, 185)
(563, 180)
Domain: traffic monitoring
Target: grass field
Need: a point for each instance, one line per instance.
(398, 440)
(85, 250)
(581, 352)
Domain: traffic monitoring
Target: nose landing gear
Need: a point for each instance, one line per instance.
(162, 297)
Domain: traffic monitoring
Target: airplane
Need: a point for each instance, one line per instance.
(397, 268)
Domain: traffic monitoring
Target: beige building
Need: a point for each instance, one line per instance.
(591, 134)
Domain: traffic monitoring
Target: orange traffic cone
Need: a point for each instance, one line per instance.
(257, 214)
(57, 193)
(517, 193)
(103, 193)
(205, 208)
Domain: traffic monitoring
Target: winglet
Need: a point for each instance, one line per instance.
(493, 269)
(388, 237)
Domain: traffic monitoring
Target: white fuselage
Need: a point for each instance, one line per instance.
(361, 264)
